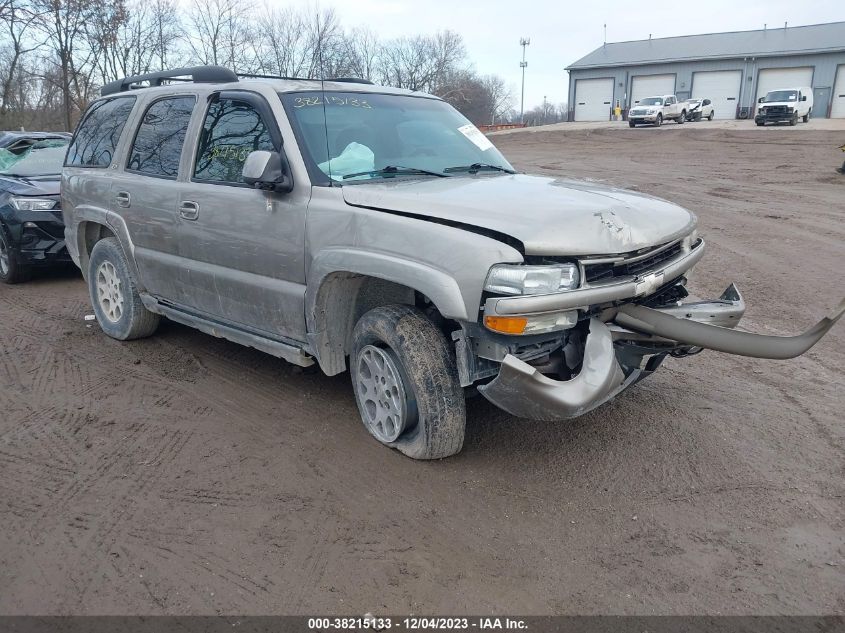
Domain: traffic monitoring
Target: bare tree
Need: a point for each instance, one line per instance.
(17, 19)
(221, 34)
(64, 23)
(363, 49)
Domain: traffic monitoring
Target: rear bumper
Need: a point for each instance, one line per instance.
(618, 353)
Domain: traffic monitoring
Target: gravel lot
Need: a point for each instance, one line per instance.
(183, 474)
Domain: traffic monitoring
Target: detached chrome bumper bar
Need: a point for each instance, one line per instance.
(523, 391)
(627, 288)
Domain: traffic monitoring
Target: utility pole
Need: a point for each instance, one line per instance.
(523, 42)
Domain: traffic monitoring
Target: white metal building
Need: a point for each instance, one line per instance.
(731, 69)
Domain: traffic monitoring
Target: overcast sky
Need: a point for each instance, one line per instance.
(562, 32)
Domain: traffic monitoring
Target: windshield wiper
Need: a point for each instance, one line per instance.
(396, 170)
(476, 167)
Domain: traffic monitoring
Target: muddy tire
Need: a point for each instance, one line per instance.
(418, 407)
(12, 271)
(114, 294)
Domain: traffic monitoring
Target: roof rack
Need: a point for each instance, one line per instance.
(201, 74)
(351, 80)
(197, 74)
(347, 80)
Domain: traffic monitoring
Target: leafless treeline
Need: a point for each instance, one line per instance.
(55, 54)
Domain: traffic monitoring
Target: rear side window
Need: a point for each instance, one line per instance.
(232, 129)
(95, 140)
(158, 143)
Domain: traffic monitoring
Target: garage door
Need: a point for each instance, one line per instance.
(651, 86)
(721, 87)
(775, 78)
(593, 99)
(837, 110)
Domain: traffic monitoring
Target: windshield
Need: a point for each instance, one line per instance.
(651, 101)
(782, 95)
(44, 158)
(364, 133)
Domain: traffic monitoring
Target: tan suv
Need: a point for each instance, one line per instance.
(373, 229)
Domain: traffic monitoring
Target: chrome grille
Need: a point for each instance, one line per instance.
(631, 264)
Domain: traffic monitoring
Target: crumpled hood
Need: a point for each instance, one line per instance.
(35, 186)
(550, 216)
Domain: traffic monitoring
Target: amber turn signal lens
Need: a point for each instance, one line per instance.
(506, 325)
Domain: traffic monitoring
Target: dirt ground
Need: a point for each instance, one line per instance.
(183, 474)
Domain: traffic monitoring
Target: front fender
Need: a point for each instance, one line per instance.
(437, 285)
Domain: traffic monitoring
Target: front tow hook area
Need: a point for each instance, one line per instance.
(684, 330)
(523, 391)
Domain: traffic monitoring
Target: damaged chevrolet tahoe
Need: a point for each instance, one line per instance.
(373, 229)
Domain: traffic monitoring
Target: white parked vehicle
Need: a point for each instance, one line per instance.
(700, 109)
(656, 110)
(785, 105)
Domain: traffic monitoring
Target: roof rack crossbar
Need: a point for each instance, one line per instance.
(197, 74)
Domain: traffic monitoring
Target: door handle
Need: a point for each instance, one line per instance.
(123, 199)
(189, 210)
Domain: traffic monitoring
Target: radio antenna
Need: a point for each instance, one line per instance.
(325, 119)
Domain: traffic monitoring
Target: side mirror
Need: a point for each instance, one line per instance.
(267, 170)
(804, 98)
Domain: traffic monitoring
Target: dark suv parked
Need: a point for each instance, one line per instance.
(31, 226)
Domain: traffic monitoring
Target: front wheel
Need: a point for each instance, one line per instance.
(631, 124)
(659, 121)
(12, 271)
(806, 117)
(711, 115)
(406, 383)
(794, 120)
(114, 294)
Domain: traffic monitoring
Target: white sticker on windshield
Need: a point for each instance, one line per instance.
(474, 134)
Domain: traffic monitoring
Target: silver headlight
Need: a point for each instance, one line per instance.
(33, 204)
(509, 279)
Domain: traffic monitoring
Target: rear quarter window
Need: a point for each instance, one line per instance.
(97, 136)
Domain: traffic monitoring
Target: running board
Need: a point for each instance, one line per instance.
(654, 322)
(279, 349)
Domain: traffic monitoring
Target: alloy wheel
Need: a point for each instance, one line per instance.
(109, 292)
(381, 393)
(5, 266)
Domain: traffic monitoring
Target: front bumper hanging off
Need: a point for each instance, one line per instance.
(523, 391)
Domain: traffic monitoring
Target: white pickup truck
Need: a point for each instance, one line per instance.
(656, 110)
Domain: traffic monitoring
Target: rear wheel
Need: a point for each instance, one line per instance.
(406, 383)
(12, 271)
(681, 118)
(114, 294)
